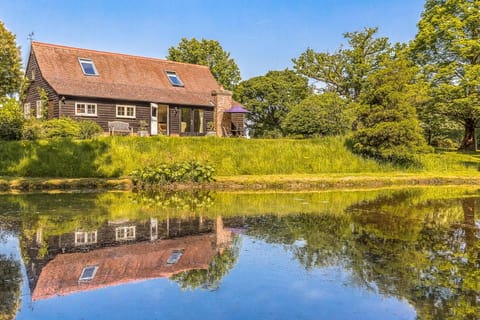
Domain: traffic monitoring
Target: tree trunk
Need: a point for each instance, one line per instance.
(469, 142)
(469, 222)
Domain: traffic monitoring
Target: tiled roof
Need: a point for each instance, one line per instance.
(123, 77)
(123, 264)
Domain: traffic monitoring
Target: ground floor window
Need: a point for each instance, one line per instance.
(125, 111)
(192, 121)
(125, 233)
(82, 238)
(85, 109)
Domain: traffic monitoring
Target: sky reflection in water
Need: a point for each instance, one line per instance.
(330, 256)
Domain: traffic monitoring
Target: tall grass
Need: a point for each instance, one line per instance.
(119, 156)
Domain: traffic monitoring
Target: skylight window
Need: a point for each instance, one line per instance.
(174, 79)
(88, 67)
(88, 273)
(174, 257)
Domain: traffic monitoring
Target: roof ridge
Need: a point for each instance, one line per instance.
(114, 53)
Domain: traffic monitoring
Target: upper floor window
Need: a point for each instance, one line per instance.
(88, 273)
(32, 77)
(85, 109)
(39, 109)
(26, 110)
(88, 67)
(174, 79)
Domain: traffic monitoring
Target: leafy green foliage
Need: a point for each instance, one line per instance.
(324, 114)
(346, 70)
(208, 53)
(389, 129)
(11, 119)
(10, 63)
(88, 129)
(187, 171)
(61, 128)
(10, 283)
(447, 48)
(269, 98)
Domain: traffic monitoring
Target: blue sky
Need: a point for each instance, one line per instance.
(260, 35)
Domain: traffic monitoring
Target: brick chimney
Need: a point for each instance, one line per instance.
(223, 101)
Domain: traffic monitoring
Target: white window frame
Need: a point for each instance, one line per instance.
(86, 114)
(86, 60)
(26, 110)
(32, 75)
(125, 108)
(174, 74)
(39, 109)
(83, 278)
(89, 237)
(121, 233)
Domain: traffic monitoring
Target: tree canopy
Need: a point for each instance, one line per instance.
(208, 53)
(345, 70)
(447, 47)
(10, 63)
(325, 114)
(269, 98)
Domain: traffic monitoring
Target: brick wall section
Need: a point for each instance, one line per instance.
(32, 94)
(223, 101)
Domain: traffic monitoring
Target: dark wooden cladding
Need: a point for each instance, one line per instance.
(174, 118)
(32, 95)
(106, 111)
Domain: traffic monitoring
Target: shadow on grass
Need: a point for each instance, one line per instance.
(54, 158)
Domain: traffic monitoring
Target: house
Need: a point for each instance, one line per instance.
(173, 98)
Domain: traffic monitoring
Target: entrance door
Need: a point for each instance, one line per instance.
(154, 119)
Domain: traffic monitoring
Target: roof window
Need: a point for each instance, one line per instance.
(88, 67)
(88, 273)
(174, 79)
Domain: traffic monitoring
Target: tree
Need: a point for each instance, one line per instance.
(11, 120)
(324, 114)
(10, 63)
(208, 53)
(447, 47)
(345, 71)
(269, 98)
(389, 129)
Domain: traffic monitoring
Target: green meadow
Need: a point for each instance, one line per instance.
(114, 157)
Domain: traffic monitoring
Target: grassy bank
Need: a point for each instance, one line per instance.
(108, 157)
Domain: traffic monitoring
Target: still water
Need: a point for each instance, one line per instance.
(385, 254)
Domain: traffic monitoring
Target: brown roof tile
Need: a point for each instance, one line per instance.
(123, 264)
(122, 76)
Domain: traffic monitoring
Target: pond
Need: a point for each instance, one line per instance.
(380, 254)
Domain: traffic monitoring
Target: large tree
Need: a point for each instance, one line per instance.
(447, 47)
(345, 70)
(388, 126)
(208, 53)
(10, 63)
(269, 98)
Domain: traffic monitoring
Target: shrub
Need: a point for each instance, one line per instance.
(89, 129)
(11, 120)
(326, 114)
(187, 171)
(60, 128)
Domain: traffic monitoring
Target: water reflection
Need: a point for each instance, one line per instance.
(415, 245)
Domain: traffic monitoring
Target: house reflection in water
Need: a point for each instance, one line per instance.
(122, 252)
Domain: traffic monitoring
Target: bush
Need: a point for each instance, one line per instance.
(61, 128)
(89, 129)
(187, 171)
(11, 120)
(319, 115)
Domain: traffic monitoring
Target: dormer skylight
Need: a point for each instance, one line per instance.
(88, 273)
(174, 79)
(88, 67)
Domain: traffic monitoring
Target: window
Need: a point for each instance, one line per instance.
(82, 238)
(85, 109)
(88, 273)
(32, 78)
(26, 110)
(125, 233)
(174, 79)
(192, 121)
(125, 111)
(174, 257)
(39, 109)
(88, 67)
